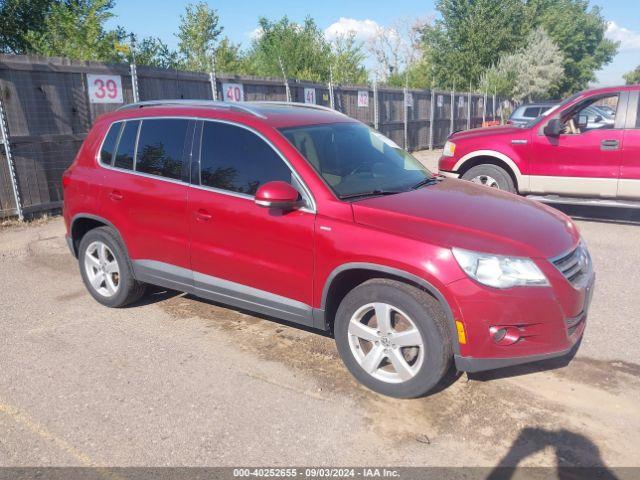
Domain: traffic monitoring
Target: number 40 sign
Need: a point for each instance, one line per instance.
(104, 88)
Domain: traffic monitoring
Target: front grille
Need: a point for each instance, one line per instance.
(575, 266)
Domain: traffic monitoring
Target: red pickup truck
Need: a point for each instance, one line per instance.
(588, 146)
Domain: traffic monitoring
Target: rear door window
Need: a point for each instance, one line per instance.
(127, 146)
(531, 112)
(161, 147)
(109, 144)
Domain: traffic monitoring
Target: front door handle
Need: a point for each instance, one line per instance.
(203, 216)
(609, 145)
(115, 195)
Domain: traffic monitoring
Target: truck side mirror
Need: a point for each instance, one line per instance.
(553, 128)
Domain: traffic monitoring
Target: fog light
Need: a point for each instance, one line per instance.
(504, 335)
(498, 335)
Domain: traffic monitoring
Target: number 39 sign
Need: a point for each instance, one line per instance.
(104, 88)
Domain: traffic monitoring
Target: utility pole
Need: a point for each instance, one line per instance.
(4, 137)
(332, 102)
(134, 70)
(212, 78)
(286, 81)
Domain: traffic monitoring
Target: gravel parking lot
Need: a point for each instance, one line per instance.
(179, 381)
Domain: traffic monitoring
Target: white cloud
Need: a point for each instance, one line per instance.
(364, 30)
(629, 40)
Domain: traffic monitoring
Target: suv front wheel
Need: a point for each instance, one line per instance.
(393, 338)
(106, 269)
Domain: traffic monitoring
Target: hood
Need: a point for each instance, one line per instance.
(457, 213)
(487, 131)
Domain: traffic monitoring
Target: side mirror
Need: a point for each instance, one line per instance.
(279, 195)
(598, 119)
(553, 128)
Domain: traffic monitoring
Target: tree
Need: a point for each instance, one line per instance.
(470, 37)
(153, 52)
(198, 36)
(229, 58)
(347, 61)
(303, 50)
(76, 29)
(398, 53)
(580, 33)
(17, 17)
(632, 77)
(529, 73)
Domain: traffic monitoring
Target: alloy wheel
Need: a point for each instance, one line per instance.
(102, 269)
(386, 343)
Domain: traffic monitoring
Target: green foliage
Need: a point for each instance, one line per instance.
(470, 37)
(347, 58)
(76, 29)
(473, 34)
(153, 52)
(229, 58)
(579, 32)
(632, 77)
(304, 52)
(529, 73)
(17, 17)
(198, 36)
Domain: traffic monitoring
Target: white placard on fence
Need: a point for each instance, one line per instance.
(233, 92)
(104, 88)
(460, 102)
(363, 98)
(310, 95)
(409, 100)
(440, 101)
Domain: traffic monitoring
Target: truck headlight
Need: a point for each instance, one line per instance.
(500, 271)
(449, 149)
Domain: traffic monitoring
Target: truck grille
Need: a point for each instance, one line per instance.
(575, 266)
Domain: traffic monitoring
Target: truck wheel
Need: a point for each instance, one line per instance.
(490, 176)
(106, 269)
(393, 338)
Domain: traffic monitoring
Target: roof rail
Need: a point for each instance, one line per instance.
(194, 103)
(295, 104)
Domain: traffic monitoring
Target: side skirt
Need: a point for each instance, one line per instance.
(224, 291)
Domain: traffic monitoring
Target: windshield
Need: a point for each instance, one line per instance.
(355, 160)
(548, 112)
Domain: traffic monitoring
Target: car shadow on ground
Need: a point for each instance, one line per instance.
(527, 368)
(628, 216)
(576, 455)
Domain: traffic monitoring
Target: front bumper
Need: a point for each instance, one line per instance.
(444, 173)
(547, 331)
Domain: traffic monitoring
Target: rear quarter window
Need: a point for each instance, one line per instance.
(127, 146)
(109, 144)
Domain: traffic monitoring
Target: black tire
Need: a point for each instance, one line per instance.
(428, 317)
(129, 289)
(501, 176)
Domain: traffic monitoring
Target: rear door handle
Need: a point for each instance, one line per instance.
(116, 196)
(609, 145)
(203, 216)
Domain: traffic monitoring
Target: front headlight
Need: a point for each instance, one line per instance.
(449, 149)
(499, 271)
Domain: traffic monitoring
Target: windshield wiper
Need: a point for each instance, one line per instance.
(371, 193)
(424, 182)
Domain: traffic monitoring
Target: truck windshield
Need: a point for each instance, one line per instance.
(356, 161)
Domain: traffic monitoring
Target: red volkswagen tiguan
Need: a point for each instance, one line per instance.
(300, 213)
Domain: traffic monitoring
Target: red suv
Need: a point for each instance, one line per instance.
(303, 214)
(588, 146)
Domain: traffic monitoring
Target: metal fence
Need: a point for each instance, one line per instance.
(49, 108)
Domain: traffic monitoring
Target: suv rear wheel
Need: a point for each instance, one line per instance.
(393, 338)
(106, 269)
(490, 176)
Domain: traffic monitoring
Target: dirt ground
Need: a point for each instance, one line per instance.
(178, 381)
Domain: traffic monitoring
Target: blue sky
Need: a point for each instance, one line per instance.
(239, 18)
